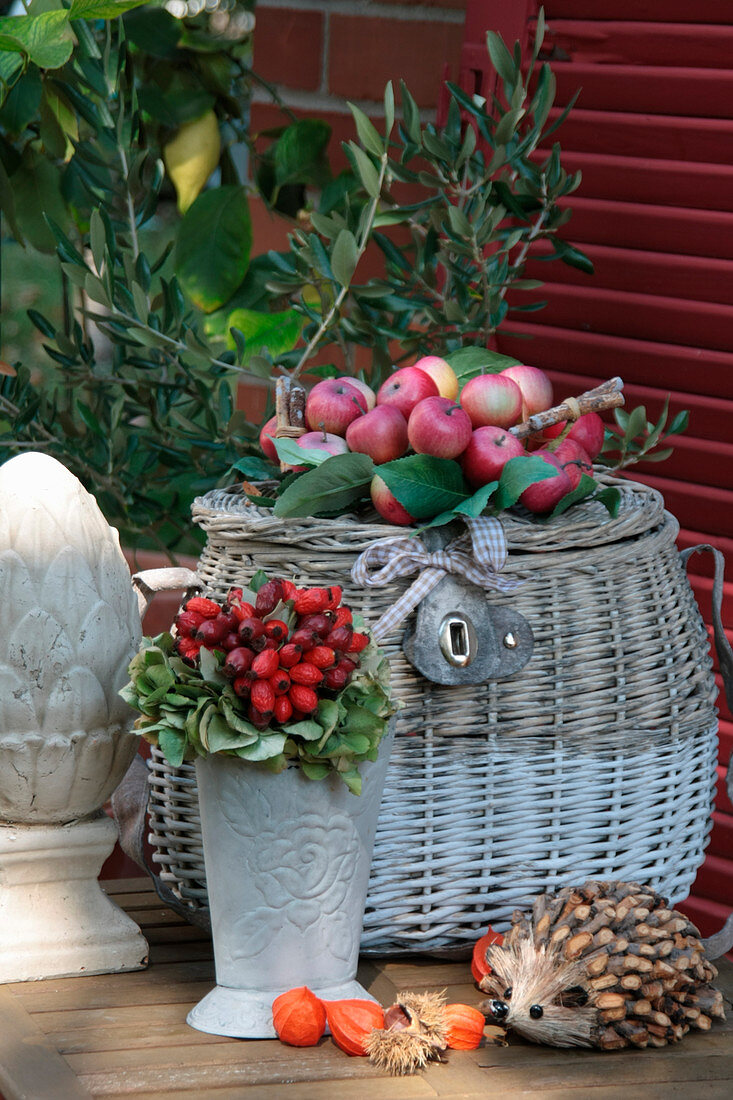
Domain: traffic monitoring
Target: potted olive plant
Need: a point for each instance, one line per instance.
(282, 699)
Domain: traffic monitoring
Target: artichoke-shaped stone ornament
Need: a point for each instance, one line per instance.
(69, 627)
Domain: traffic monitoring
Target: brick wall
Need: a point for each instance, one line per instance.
(321, 53)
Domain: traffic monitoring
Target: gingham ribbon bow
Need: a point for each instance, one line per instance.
(381, 562)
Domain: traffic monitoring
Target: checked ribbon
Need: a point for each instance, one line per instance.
(479, 559)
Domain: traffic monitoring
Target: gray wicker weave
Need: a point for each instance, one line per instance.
(596, 761)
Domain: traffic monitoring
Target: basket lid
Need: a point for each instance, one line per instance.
(587, 524)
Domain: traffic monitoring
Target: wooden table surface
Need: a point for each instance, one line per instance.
(126, 1035)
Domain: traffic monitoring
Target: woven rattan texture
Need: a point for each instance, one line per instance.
(597, 760)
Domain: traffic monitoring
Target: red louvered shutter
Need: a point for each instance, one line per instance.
(652, 132)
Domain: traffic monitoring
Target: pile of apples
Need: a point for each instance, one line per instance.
(417, 410)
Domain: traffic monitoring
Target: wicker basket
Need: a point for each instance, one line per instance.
(596, 760)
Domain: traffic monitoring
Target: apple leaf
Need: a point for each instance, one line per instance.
(331, 487)
(611, 499)
(470, 362)
(473, 506)
(289, 451)
(585, 488)
(254, 468)
(424, 485)
(519, 473)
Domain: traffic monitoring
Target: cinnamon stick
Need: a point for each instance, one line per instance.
(606, 396)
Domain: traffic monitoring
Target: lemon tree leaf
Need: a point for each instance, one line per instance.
(213, 246)
(46, 39)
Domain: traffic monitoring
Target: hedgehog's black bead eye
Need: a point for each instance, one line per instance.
(508, 993)
(536, 1012)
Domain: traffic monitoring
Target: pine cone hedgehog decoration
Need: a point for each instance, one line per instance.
(607, 964)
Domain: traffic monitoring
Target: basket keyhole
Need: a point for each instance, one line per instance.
(458, 642)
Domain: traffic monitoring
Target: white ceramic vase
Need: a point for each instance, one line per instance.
(70, 625)
(287, 867)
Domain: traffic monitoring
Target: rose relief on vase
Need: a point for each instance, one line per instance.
(70, 627)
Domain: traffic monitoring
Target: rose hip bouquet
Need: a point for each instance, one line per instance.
(276, 674)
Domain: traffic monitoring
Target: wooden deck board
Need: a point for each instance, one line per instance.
(125, 1035)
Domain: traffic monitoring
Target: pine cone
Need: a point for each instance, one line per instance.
(607, 964)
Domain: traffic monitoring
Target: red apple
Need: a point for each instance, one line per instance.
(536, 388)
(381, 434)
(492, 400)
(442, 374)
(574, 460)
(487, 453)
(267, 435)
(439, 427)
(387, 504)
(405, 388)
(544, 495)
(371, 397)
(323, 441)
(332, 404)
(588, 431)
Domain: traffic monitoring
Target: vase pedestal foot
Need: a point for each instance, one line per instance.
(55, 919)
(247, 1013)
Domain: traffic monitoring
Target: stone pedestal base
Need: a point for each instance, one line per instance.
(247, 1013)
(55, 920)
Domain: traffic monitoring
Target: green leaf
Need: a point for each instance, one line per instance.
(59, 127)
(308, 730)
(172, 743)
(277, 332)
(459, 222)
(220, 735)
(254, 468)
(388, 109)
(572, 256)
(213, 246)
(332, 487)
(636, 423)
(46, 39)
(539, 33)
(289, 451)
(621, 417)
(344, 257)
(300, 153)
(679, 423)
(410, 113)
(209, 666)
(10, 65)
(272, 744)
(367, 171)
(659, 456)
(315, 771)
(424, 486)
(37, 190)
(102, 9)
(328, 715)
(471, 361)
(585, 487)
(517, 475)
(507, 125)
(473, 506)
(7, 204)
(368, 134)
(90, 419)
(611, 499)
(501, 59)
(22, 103)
